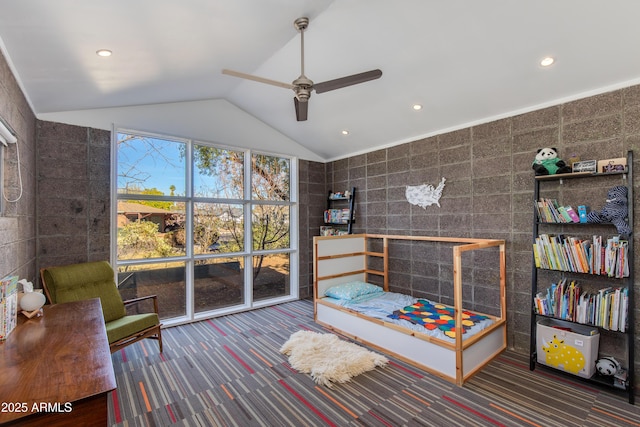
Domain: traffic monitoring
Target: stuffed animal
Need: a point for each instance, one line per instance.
(615, 210)
(607, 366)
(548, 163)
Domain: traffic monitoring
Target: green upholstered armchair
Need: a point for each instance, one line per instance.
(96, 280)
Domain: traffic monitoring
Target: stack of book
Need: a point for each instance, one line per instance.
(8, 305)
(336, 216)
(565, 253)
(549, 210)
(331, 231)
(606, 308)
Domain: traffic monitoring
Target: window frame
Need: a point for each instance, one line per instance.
(189, 199)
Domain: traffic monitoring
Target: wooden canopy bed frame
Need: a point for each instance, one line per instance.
(343, 259)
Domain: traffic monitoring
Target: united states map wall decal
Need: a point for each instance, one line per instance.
(424, 195)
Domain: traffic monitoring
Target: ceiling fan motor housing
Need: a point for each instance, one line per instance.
(303, 94)
(301, 24)
(302, 87)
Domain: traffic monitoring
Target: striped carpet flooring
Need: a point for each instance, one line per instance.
(228, 371)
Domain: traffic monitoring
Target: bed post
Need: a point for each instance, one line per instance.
(503, 288)
(315, 279)
(385, 267)
(503, 281)
(457, 305)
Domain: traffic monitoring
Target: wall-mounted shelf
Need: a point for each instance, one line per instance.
(339, 216)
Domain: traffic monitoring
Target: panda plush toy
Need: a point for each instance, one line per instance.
(548, 163)
(607, 366)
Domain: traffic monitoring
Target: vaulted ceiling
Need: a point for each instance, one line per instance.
(464, 61)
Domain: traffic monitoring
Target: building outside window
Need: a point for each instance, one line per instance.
(208, 229)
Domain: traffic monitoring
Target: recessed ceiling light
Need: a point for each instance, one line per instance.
(417, 107)
(104, 52)
(345, 132)
(547, 61)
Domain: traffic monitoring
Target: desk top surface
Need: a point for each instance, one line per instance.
(62, 356)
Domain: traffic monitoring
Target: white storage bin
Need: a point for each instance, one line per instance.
(574, 350)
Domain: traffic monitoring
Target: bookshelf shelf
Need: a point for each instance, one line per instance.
(599, 283)
(578, 175)
(549, 316)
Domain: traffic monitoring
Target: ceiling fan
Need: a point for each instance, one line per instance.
(302, 86)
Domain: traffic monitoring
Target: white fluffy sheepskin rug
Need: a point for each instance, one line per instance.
(328, 358)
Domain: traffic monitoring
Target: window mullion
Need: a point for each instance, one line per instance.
(188, 228)
(248, 229)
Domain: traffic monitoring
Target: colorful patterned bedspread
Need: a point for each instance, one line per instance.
(436, 316)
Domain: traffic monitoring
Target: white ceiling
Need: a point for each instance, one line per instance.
(465, 61)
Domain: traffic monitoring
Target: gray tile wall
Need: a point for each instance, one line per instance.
(73, 198)
(17, 224)
(489, 181)
(311, 205)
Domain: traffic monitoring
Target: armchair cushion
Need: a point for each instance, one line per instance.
(85, 281)
(130, 325)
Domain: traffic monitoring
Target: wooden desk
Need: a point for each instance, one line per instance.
(56, 369)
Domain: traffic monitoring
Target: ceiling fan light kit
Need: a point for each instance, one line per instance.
(303, 86)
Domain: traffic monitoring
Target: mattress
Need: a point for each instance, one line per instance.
(418, 314)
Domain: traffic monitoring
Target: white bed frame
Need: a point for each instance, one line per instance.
(340, 259)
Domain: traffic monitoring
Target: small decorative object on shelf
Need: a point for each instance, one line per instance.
(589, 274)
(573, 158)
(340, 213)
(612, 165)
(30, 301)
(31, 304)
(585, 166)
(615, 210)
(548, 163)
(607, 366)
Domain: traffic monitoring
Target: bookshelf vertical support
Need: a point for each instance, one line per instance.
(631, 282)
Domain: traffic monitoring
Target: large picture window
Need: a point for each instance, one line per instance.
(207, 229)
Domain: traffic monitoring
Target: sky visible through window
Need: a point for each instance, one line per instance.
(146, 163)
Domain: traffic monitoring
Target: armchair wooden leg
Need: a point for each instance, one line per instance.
(160, 338)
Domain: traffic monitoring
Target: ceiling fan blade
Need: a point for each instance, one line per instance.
(257, 79)
(347, 81)
(301, 109)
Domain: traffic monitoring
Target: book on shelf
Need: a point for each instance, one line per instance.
(549, 210)
(573, 214)
(332, 231)
(564, 214)
(567, 253)
(8, 305)
(606, 308)
(624, 304)
(582, 213)
(336, 216)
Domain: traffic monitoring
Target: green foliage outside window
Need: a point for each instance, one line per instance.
(140, 239)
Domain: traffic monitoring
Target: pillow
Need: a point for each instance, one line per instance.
(352, 290)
